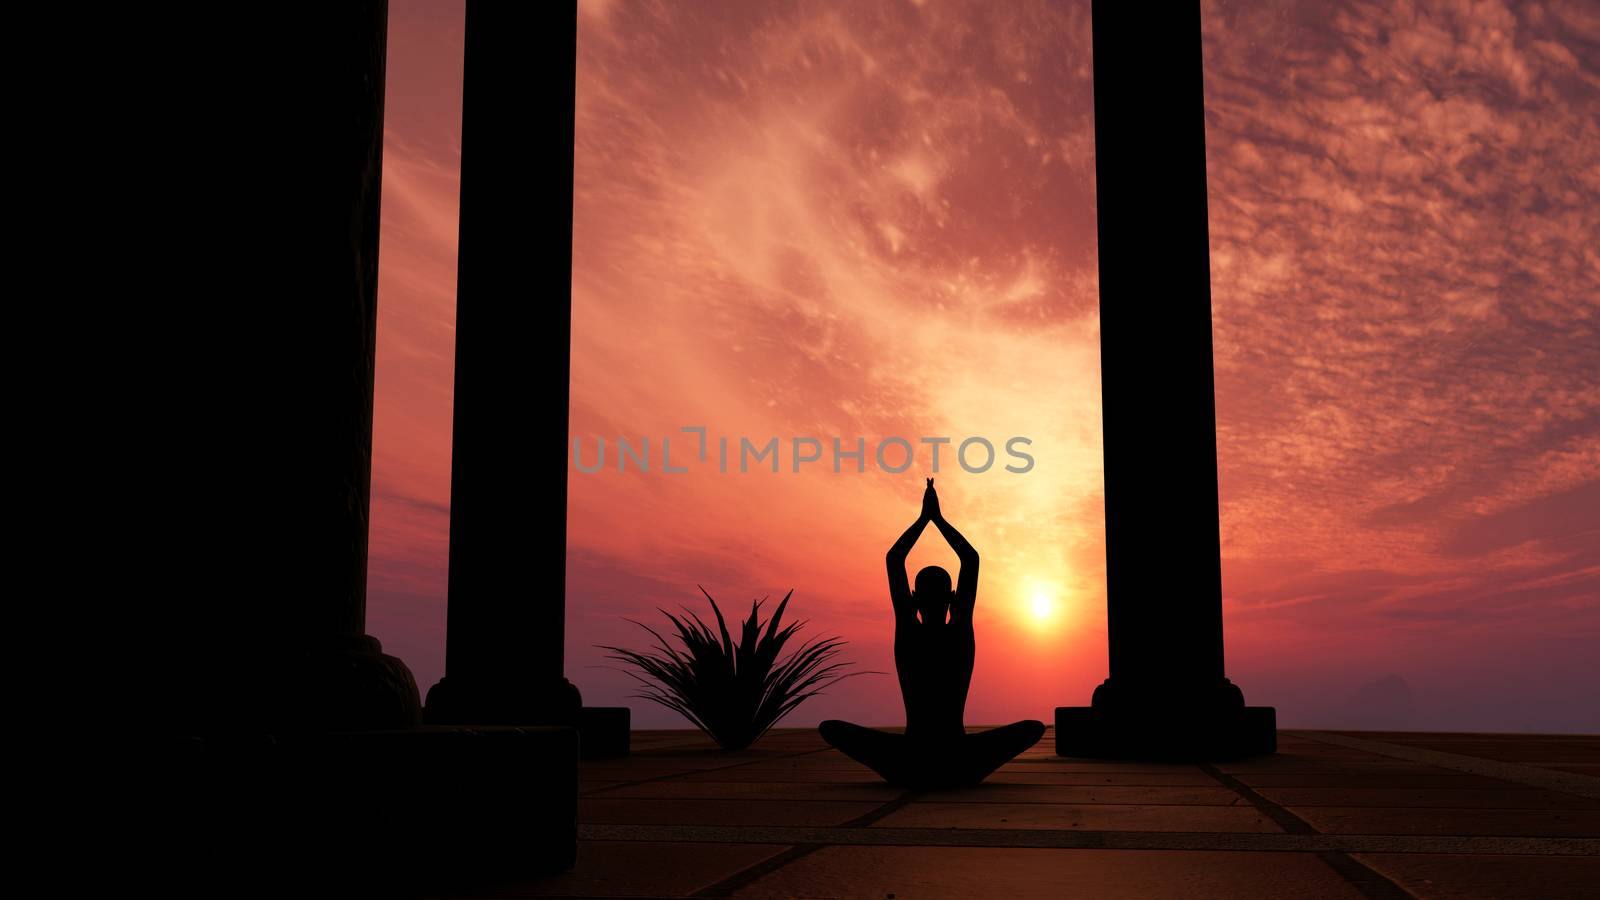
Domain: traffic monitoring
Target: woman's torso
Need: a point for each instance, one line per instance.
(935, 668)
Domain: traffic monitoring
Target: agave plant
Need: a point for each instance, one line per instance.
(731, 691)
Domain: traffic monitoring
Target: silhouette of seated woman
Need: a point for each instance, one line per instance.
(934, 659)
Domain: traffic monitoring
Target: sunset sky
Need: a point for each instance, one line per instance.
(865, 220)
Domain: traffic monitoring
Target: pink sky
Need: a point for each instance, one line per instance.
(864, 220)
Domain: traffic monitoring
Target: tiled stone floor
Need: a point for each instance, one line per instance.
(1330, 815)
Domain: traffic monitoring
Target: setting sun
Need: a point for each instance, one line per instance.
(1041, 603)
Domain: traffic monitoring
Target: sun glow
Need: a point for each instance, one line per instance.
(1042, 603)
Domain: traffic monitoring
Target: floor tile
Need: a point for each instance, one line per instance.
(743, 773)
(1526, 751)
(1463, 877)
(1020, 775)
(1368, 780)
(1590, 769)
(643, 869)
(1091, 817)
(1177, 795)
(911, 873)
(601, 809)
(760, 790)
(1427, 797)
(1503, 822)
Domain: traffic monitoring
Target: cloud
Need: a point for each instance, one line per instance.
(1402, 211)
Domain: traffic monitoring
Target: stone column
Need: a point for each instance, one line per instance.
(258, 404)
(508, 489)
(1167, 694)
(270, 728)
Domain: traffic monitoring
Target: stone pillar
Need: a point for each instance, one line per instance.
(271, 729)
(508, 488)
(1167, 694)
(264, 417)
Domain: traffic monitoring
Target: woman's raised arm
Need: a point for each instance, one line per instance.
(899, 588)
(967, 581)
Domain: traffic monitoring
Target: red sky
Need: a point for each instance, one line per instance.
(837, 219)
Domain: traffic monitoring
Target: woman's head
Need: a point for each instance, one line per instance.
(932, 594)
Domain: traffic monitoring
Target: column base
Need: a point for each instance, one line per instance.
(335, 683)
(604, 732)
(1148, 733)
(466, 701)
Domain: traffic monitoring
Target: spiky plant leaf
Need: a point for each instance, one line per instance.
(734, 692)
